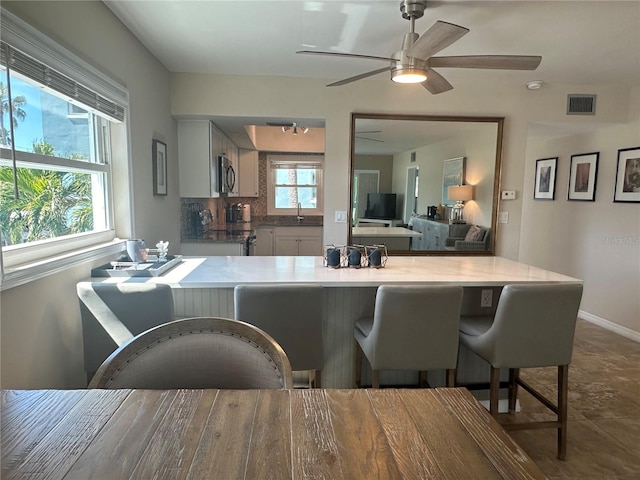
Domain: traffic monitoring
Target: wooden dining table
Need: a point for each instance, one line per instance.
(349, 434)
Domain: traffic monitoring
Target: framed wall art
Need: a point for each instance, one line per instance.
(545, 184)
(582, 176)
(452, 174)
(628, 176)
(159, 150)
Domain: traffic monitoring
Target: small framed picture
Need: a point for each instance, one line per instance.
(159, 167)
(628, 176)
(582, 176)
(545, 185)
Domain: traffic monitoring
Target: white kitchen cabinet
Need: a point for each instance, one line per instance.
(204, 249)
(265, 237)
(247, 173)
(298, 241)
(194, 157)
(199, 143)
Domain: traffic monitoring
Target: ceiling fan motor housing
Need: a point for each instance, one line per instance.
(412, 8)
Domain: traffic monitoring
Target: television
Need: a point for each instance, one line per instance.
(381, 205)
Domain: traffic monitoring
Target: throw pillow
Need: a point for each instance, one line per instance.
(475, 234)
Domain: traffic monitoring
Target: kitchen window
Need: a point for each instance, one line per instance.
(57, 118)
(294, 184)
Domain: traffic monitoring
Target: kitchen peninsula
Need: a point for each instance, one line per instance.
(203, 286)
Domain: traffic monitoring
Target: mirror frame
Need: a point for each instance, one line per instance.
(499, 121)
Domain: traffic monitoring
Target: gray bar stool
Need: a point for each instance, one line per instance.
(413, 328)
(533, 326)
(292, 314)
(112, 314)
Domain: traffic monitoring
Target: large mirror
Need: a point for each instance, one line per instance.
(425, 185)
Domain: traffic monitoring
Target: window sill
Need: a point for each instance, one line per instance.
(29, 272)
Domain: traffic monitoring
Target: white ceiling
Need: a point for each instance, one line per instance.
(581, 42)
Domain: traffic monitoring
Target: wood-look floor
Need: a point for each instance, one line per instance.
(604, 410)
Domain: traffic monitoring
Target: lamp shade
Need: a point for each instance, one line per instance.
(460, 192)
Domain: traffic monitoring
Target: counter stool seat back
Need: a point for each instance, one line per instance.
(413, 328)
(293, 315)
(533, 326)
(197, 353)
(112, 314)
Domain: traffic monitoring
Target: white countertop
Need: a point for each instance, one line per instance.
(225, 272)
(388, 232)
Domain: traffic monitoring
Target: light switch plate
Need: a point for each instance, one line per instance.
(503, 217)
(508, 195)
(341, 216)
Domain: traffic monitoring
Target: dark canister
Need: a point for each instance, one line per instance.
(354, 257)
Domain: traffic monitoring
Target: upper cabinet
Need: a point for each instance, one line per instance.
(247, 173)
(199, 143)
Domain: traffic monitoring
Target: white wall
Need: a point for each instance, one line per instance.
(597, 241)
(40, 326)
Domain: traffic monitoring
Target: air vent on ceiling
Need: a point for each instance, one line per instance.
(581, 104)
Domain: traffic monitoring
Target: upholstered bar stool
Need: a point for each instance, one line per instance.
(292, 314)
(112, 314)
(533, 326)
(413, 328)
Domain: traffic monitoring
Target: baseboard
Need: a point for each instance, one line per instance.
(608, 325)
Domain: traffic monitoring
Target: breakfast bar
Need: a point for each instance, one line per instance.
(203, 286)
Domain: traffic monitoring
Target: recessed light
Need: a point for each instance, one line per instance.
(535, 84)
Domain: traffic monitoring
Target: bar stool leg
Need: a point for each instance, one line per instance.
(514, 375)
(316, 382)
(563, 397)
(451, 377)
(375, 381)
(358, 361)
(494, 391)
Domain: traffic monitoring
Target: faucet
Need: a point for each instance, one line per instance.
(299, 217)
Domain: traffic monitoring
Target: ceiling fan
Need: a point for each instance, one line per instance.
(369, 132)
(415, 62)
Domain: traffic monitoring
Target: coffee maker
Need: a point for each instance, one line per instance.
(234, 213)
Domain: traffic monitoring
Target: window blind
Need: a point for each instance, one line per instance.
(74, 91)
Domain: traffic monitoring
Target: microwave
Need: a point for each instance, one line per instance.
(223, 176)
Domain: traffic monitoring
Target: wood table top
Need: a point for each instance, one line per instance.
(255, 434)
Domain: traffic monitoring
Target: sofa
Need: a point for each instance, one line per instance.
(476, 239)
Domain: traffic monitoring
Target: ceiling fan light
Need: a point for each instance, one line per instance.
(408, 75)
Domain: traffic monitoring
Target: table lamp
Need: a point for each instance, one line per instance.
(459, 193)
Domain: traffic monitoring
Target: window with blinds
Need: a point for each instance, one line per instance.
(56, 114)
(295, 184)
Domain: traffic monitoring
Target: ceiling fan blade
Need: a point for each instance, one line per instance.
(440, 35)
(348, 55)
(359, 77)
(505, 62)
(370, 139)
(436, 83)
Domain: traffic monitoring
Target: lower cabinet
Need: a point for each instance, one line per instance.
(264, 241)
(298, 241)
(213, 249)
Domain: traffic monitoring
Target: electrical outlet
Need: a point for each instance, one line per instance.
(486, 298)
